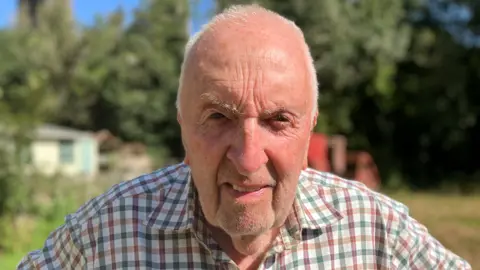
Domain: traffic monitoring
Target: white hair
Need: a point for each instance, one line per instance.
(241, 13)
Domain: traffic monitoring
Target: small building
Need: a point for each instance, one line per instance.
(125, 160)
(57, 149)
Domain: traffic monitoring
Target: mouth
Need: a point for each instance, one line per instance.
(247, 189)
(247, 193)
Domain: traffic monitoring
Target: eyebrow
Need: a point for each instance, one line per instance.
(212, 100)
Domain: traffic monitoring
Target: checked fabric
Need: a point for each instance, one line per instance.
(155, 222)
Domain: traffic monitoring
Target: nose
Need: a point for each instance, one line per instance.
(247, 151)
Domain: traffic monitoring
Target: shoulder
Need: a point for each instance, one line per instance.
(409, 242)
(356, 201)
(140, 193)
(119, 209)
(341, 188)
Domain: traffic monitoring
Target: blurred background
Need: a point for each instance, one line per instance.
(87, 93)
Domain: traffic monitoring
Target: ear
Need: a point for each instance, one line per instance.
(305, 158)
(314, 121)
(186, 160)
(179, 118)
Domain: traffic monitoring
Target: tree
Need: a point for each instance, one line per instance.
(113, 75)
(137, 92)
(28, 96)
(436, 120)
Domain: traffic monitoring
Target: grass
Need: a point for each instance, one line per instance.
(30, 235)
(453, 220)
(10, 261)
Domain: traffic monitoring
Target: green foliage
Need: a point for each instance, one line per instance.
(139, 89)
(108, 76)
(50, 199)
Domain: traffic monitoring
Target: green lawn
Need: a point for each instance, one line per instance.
(10, 261)
(453, 220)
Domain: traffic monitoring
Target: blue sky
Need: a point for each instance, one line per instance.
(85, 10)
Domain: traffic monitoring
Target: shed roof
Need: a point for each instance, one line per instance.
(55, 132)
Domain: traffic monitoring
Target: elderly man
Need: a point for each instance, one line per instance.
(243, 198)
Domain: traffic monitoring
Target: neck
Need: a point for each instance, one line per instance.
(246, 251)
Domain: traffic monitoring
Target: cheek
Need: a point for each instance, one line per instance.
(208, 197)
(284, 197)
(287, 155)
(203, 149)
(210, 137)
(205, 154)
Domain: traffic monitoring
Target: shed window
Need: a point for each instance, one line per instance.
(66, 151)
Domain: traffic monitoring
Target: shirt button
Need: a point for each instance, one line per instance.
(227, 266)
(278, 249)
(269, 262)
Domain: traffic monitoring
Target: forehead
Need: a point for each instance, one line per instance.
(248, 71)
(268, 75)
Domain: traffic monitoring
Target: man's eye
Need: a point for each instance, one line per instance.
(216, 116)
(280, 118)
(279, 122)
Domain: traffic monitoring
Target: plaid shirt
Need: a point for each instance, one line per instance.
(154, 222)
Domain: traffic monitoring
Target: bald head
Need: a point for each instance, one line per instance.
(249, 26)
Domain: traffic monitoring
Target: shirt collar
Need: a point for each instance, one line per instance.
(177, 207)
(172, 212)
(315, 205)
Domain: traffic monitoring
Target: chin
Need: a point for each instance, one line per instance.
(245, 234)
(244, 224)
(241, 230)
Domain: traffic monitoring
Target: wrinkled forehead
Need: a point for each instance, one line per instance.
(243, 63)
(228, 57)
(243, 68)
(256, 37)
(229, 40)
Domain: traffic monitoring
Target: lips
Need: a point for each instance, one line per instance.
(247, 189)
(246, 194)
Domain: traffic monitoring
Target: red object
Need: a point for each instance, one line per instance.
(365, 169)
(330, 154)
(318, 152)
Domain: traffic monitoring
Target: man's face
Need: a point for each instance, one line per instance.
(246, 120)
